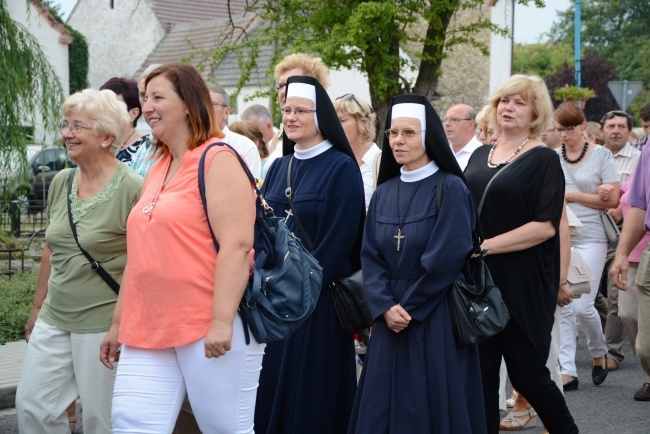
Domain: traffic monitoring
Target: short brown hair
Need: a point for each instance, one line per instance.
(312, 66)
(568, 114)
(191, 89)
(252, 131)
(532, 89)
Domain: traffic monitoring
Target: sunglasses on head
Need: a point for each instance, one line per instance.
(350, 97)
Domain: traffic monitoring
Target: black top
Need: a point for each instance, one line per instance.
(532, 189)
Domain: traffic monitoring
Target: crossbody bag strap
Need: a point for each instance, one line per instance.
(289, 194)
(568, 171)
(94, 265)
(480, 206)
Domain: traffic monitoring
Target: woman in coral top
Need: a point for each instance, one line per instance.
(176, 314)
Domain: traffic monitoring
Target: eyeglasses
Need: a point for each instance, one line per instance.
(455, 120)
(75, 128)
(216, 104)
(407, 133)
(561, 130)
(278, 86)
(298, 111)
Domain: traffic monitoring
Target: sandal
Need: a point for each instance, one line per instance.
(511, 402)
(518, 424)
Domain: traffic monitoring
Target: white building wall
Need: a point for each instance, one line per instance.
(48, 38)
(109, 55)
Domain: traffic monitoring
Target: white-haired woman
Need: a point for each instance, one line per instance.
(73, 304)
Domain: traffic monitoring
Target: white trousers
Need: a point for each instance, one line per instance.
(583, 310)
(58, 367)
(151, 384)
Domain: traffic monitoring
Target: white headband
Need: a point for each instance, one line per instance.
(410, 110)
(304, 90)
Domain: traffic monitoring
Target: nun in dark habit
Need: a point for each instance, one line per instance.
(308, 381)
(415, 379)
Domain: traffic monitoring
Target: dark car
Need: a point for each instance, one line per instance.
(30, 190)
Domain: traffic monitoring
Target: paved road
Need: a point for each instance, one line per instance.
(607, 409)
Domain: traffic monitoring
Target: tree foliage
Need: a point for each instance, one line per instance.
(30, 90)
(364, 35)
(541, 59)
(618, 30)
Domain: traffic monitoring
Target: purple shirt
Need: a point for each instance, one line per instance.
(639, 195)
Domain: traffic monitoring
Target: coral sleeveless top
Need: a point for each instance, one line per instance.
(169, 283)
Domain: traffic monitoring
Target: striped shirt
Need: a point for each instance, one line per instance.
(626, 161)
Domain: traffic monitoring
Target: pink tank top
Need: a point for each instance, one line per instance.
(169, 282)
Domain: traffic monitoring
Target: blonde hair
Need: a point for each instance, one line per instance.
(252, 131)
(533, 90)
(109, 115)
(593, 129)
(362, 114)
(312, 66)
(483, 118)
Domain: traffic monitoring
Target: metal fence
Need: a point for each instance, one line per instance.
(23, 218)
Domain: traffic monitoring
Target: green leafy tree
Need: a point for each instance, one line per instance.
(364, 35)
(30, 90)
(541, 59)
(619, 31)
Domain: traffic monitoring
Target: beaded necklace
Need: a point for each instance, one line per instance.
(582, 154)
(507, 160)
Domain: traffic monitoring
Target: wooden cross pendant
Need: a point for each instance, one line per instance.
(289, 214)
(399, 237)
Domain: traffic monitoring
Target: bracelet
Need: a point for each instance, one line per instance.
(564, 283)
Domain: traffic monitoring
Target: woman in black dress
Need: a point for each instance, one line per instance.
(520, 220)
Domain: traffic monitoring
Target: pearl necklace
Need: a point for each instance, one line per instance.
(582, 154)
(507, 160)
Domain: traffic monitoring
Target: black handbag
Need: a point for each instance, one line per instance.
(475, 304)
(286, 282)
(348, 294)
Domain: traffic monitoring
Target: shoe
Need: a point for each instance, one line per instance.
(643, 394)
(599, 374)
(511, 402)
(571, 385)
(518, 424)
(612, 365)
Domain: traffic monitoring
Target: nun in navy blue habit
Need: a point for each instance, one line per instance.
(308, 381)
(415, 379)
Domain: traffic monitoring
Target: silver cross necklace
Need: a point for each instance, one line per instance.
(399, 237)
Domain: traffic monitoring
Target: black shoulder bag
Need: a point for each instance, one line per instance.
(475, 304)
(94, 265)
(348, 294)
(285, 285)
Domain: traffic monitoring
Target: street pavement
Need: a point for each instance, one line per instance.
(606, 409)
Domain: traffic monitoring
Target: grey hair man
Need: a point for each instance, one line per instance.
(261, 116)
(460, 128)
(243, 145)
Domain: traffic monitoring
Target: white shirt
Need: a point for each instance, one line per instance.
(275, 154)
(368, 171)
(626, 161)
(462, 156)
(247, 149)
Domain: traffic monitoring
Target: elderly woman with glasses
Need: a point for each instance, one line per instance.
(358, 121)
(73, 304)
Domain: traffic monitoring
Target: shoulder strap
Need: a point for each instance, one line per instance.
(480, 205)
(568, 171)
(289, 194)
(94, 265)
(201, 178)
